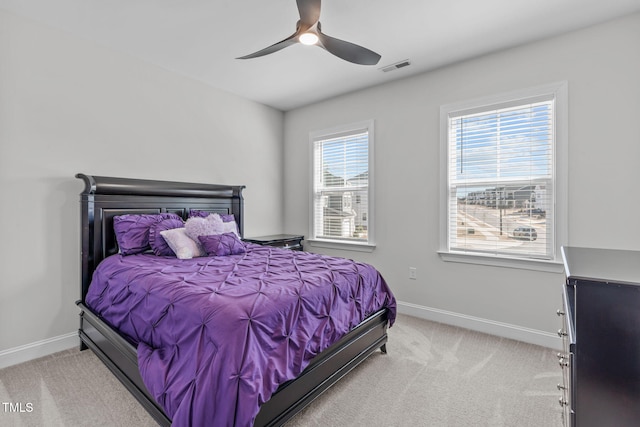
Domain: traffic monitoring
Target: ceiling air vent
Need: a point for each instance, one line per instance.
(395, 66)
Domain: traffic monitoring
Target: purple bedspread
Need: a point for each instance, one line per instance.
(216, 336)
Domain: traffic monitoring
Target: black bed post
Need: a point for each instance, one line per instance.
(86, 238)
(238, 207)
(87, 213)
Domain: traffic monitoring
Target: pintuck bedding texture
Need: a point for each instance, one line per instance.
(217, 335)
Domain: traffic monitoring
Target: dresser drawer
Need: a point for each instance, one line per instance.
(566, 358)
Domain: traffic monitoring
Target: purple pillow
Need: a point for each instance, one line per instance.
(198, 214)
(157, 242)
(204, 214)
(132, 231)
(222, 244)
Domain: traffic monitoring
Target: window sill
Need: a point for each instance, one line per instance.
(495, 261)
(347, 246)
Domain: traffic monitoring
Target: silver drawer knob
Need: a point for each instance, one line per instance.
(562, 402)
(559, 312)
(563, 362)
(561, 387)
(562, 333)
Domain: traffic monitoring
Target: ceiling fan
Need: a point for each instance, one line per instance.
(308, 31)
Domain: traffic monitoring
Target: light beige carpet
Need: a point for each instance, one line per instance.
(440, 375)
(433, 375)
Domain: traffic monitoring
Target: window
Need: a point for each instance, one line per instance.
(342, 178)
(504, 171)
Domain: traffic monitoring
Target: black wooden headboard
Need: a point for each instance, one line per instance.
(105, 197)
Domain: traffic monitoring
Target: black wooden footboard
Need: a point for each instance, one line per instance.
(326, 369)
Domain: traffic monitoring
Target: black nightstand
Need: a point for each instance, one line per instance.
(285, 241)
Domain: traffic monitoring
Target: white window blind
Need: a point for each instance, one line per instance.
(341, 186)
(501, 187)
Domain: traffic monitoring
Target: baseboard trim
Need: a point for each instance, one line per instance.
(37, 349)
(505, 330)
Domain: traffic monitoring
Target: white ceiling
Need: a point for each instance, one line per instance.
(201, 38)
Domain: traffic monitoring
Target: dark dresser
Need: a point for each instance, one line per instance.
(601, 334)
(286, 241)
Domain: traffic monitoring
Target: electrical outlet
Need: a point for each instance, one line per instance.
(413, 274)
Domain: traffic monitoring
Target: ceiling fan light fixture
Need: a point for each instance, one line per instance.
(308, 38)
(309, 32)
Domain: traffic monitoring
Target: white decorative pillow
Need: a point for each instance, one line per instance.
(181, 244)
(230, 227)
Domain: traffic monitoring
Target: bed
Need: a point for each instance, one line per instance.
(136, 363)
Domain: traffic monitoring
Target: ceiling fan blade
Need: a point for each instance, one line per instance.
(292, 39)
(309, 12)
(348, 51)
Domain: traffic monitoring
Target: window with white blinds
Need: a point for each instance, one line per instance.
(501, 178)
(342, 177)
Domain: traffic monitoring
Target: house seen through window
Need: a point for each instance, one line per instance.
(341, 202)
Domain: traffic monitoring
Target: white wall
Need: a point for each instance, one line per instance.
(68, 106)
(602, 67)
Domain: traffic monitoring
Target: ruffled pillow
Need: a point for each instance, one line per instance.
(222, 244)
(157, 242)
(230, 218)
(182, 245)
(132, 230)
(199, 226)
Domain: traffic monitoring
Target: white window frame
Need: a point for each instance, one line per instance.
(559, 91)
(335, 132)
